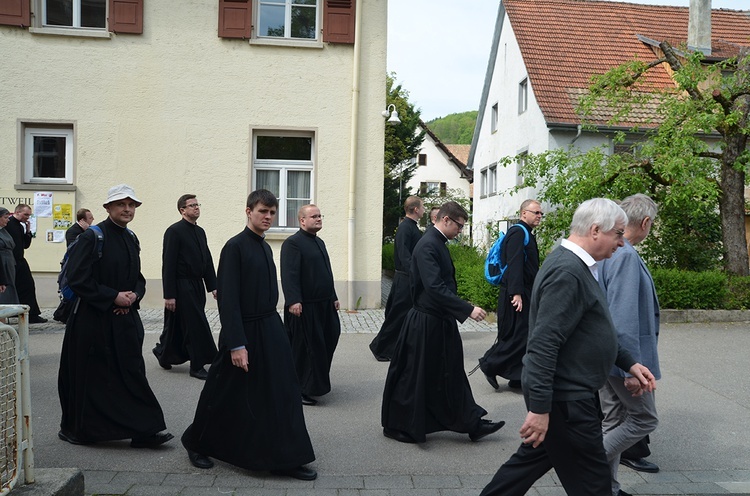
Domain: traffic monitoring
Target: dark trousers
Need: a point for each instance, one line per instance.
(573, 447)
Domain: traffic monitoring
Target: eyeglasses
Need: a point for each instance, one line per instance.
(193, 205)
(536, 212)
(460, 226)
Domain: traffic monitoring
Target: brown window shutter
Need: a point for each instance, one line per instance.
(443, 189)
(422, 159)
(15, 13)
(126, 16)
(338, 21)
(235, 18)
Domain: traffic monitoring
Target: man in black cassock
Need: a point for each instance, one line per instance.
(250, 410)
(84, 218)
(187, 273)
(399, 298)
(310, 304)
(504, 358)
(426, 389)
(19, 227)
(104, 393)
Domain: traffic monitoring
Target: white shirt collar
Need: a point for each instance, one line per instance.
(583, 255)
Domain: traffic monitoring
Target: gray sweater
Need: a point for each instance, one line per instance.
(572, 341)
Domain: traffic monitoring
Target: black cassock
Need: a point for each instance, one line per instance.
(104, 393)
(251, 419)
(25, 286)
(307, 278)
(504, 358)
(187, 274)
(426, 389)
(399, 298)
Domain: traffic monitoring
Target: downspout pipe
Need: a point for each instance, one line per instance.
(353, 151)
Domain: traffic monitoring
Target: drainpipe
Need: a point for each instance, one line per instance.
(353, 150)
(580, 128)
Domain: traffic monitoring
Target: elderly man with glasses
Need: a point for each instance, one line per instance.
(187, 275)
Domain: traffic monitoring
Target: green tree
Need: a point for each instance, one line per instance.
(402, 143)
(455, 129)
(674, 163)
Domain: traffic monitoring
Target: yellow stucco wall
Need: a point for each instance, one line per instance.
(172, 111)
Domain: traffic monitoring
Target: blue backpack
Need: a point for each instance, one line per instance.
(493, 268)
(67, 294)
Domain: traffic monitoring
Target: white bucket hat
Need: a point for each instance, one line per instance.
(120, 192)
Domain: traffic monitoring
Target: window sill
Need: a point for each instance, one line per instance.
(45, 187)
(280, 233)
(285, 42)
(77, 32)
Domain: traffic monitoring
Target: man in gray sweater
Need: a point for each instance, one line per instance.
(572, 346)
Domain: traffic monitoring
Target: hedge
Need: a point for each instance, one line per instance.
(676, 289)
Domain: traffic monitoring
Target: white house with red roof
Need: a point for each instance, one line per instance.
(543, 55)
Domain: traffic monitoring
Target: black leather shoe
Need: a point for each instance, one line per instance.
(158, 359)
(301, 473)
(399, 436)
(37, 320)
(151, 441)
(306, 400)
(492, 380)
(70, 438)
(514, 384)
(485, 428)
(640, 465)
(199, 461)
(199, 374)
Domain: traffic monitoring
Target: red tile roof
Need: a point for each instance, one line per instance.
(564, 42)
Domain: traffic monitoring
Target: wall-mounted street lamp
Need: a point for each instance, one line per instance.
(392, 115)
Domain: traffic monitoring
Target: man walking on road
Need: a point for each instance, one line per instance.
(310, 304)
(250, 410)
(634, 306)
(187, 273)
(19, 227)
(104, 393)
(399, 298)
(572, 347)
(505, 357)
(426, 389)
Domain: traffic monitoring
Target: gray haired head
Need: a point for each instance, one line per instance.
(637, 207)
(601, 212)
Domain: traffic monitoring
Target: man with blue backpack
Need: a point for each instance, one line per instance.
(517, 265)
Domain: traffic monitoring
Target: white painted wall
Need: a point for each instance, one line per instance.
(172, 111)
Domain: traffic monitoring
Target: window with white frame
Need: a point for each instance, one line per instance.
(48, 154)
(523, 96)
(493, 123)
(483, 183)
(90, 14)
(283, 164)
(492, 179)
(293, 19)
(520, 164)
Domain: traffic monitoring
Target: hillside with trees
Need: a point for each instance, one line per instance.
(455, 129)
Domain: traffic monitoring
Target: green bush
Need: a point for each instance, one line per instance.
(472, 286)
(738, 297)
(681, 289)
(387, 255)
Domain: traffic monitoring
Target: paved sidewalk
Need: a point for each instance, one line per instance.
(702, 444)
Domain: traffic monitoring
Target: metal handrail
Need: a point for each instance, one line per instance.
(24, 450)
